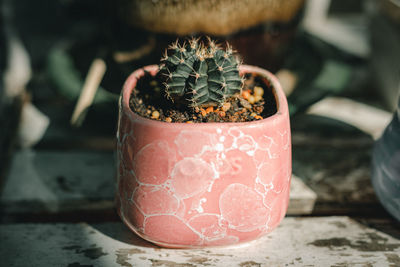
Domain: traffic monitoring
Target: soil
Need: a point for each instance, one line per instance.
(256, 102)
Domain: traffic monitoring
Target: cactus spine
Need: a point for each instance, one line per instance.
(201, 75)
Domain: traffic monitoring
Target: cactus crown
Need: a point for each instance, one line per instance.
(203, 75)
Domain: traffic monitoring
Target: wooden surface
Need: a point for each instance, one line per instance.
(334, 159)
(319, 241)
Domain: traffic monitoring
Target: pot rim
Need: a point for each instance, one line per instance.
(280, 98)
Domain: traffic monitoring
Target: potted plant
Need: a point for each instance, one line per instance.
(204, 156)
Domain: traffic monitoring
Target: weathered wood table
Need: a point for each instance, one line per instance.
(57, 206)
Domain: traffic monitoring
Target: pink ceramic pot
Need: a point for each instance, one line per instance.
(203, 184)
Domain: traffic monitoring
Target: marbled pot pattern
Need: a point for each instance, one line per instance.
(203, 184)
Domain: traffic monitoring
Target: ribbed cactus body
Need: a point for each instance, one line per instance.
(200, 75)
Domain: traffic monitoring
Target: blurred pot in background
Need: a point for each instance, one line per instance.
(386, 166)
(260, 30)
(211, 17)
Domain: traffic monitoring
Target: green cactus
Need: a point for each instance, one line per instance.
(199, 74)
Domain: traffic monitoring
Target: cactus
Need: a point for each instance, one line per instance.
(200, 75)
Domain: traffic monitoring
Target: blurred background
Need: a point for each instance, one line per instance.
(338, 61)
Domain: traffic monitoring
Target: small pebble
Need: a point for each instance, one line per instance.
(258, 109)
(245, 103)
(257, 98)
(168, 119)
(258, 91)
(222, 113)
(148, 111)
(226, 106)
(209, 110)
(155, 114)
(245, 94)
(251, 99)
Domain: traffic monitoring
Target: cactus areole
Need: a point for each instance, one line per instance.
(199, 74)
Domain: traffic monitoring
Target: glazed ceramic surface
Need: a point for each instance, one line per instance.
(203, 184)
